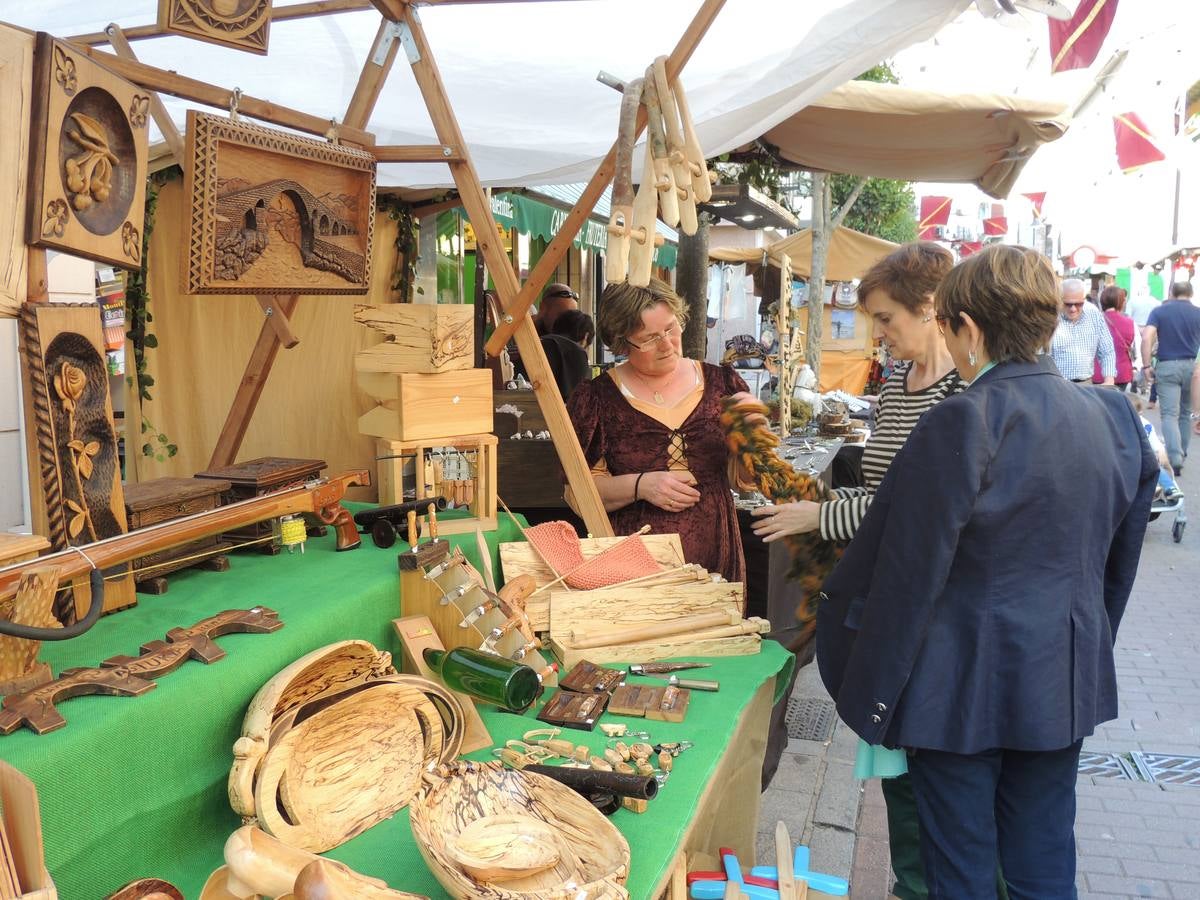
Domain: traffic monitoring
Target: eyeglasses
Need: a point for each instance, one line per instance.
(651, 341)
(1078, 305)
(571, 294)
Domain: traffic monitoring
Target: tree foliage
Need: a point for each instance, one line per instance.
(883, 209)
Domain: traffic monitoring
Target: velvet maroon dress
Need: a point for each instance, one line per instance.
(628, 441)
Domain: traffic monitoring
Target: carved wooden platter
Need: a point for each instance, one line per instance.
(592, 856)
(347, 766)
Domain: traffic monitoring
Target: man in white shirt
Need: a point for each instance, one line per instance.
(1082, 337)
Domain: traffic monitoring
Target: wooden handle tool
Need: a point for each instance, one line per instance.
(620, 221)
(697, 165)
(645, 218)
(679, 161)
(683, 625)
(412, 528)
(664, 178)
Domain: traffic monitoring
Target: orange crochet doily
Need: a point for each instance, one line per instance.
(558, 545)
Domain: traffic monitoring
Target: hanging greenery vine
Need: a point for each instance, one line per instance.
(138, 316)
(406, 244)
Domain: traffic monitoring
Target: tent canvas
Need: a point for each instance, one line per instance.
(851, 253)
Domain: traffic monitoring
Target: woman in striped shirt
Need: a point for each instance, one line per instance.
(897, 292)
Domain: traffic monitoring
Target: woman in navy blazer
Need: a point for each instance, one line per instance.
(971, 619)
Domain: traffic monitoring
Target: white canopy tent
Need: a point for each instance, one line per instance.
(521, 76)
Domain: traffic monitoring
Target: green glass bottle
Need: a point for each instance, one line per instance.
(486, 676)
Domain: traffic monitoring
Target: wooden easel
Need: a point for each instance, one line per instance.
(401, 24)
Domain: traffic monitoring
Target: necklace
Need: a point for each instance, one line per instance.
(659, 400)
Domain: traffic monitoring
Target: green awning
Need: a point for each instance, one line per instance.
(541, 220)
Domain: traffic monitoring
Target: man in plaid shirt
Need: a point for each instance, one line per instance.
(1082, 337)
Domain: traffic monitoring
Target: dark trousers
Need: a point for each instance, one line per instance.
(1014, 804)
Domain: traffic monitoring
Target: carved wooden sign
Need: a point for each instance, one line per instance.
(275, 213)
(87, 160)
(241, 24)
(69, 411)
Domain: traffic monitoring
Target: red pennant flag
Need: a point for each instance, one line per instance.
(1075, 43)
(966, 248)
(934, 211)
(1037, 200)
(996, 223)
(1135, 144)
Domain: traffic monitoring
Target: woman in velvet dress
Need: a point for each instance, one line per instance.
(650, 430)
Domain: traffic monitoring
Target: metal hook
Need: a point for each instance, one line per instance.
(332, 134)
(234, 99)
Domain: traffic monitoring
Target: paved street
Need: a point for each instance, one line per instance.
(1135, 838)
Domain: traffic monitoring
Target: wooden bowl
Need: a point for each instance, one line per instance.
(505, 848)
(593, 856)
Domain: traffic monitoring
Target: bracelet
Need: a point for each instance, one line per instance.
(636, 482)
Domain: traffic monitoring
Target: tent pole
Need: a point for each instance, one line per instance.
(545, 267)
(479, 211)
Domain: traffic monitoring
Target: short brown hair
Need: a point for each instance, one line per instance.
(909, 274)
(1112, 297)
(622, 305)
(1012, 294)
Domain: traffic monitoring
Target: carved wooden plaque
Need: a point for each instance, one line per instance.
(68, 411)
(275, 213)
(241, 24)
(87, 160)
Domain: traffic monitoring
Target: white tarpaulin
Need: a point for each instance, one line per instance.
(521, 76)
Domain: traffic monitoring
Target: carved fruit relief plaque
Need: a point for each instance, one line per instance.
(241, 24)
(275, 213)
(87, 161)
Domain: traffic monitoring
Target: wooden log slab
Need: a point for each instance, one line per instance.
(592, 611)
(743, 645)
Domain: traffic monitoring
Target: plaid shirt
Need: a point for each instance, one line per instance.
(1077, 345)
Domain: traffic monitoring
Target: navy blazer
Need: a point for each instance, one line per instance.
(977, 605)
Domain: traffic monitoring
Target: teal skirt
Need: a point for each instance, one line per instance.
(873, 761)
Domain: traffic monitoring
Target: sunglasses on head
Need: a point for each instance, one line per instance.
(571, 294)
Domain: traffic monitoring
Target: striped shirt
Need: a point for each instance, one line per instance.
(895, 419)
(1076, 346)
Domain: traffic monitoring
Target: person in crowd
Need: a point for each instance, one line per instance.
(566, 350)
(1140, 308)
(556, 300)
(971, 619)
(650, 429)
(1081, 340)
(1176, 327)
(897, 293)
(1123, 333)
(1168, 488)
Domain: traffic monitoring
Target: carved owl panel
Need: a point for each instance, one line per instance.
(87, 160)
(241, 24)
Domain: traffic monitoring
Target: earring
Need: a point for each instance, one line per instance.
(927, 318)
(971, 357)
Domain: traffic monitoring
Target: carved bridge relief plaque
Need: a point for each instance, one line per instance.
(275, 213)
(87, 161)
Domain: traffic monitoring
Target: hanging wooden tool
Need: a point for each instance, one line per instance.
(620, 221)
(702, 179)
(668, 192)
(644, 233)
(675, 145)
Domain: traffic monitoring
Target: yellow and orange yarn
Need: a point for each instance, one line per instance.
(753, 446)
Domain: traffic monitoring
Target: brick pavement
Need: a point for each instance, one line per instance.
(1135, 839)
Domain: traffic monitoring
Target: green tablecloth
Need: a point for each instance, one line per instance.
(135, 787)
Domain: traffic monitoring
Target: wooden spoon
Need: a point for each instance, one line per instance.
(504, 847)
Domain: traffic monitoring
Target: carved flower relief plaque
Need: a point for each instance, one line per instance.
(241, 24)
(87, 184)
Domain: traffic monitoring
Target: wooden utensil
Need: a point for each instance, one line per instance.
(783, 863)
(644, 232)
(668, 193)
(675, 145)
(504, 847)
(698, 165)
(324, 879)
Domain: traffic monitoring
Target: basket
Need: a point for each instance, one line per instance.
(593, 854)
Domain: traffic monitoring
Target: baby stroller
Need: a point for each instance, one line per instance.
(1170, 504)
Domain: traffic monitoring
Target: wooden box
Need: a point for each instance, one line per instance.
(161, 500)
(477, 449)
(256, 477)
(413, 407)
(22, 823)
(422, 338)
(15, 548)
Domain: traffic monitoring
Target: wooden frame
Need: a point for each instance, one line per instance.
(240, 24)
(87, 159)
(246, 238)
(483, 500)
